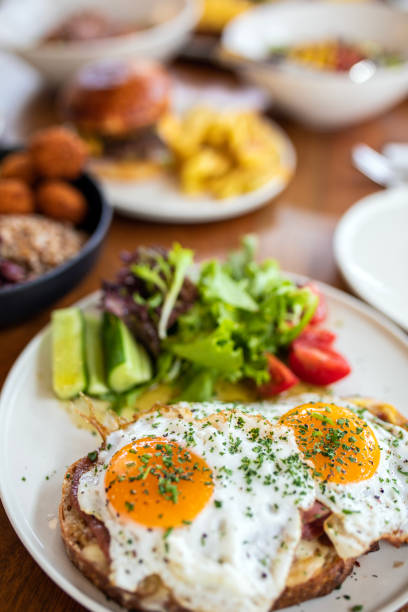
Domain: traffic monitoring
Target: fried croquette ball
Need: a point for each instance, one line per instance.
(61, 201)
(57, 153)
(18, 166)
(15, 197)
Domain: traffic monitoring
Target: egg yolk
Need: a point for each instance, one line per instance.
(158, 483)
(341, 446)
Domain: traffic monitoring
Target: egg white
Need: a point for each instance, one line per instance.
(363, 512)
(235, 556)
(367, 511)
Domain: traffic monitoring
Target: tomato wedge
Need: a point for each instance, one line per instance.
(281, 377)
(321, 310)
(317, 365)
(316, 336)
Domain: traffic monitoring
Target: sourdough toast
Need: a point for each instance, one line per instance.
(314, 573)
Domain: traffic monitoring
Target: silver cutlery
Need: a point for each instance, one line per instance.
(387, 169)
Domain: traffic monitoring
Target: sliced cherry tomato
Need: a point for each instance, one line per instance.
(281, 377)
(321, 310)
(318, 365)
(316, 336)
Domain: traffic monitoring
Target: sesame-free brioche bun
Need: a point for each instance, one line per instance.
(113, 98)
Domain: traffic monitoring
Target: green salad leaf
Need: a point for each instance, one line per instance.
(181, 259)
(244, 310)
(198, 384)
(216, 284)
(215, 350)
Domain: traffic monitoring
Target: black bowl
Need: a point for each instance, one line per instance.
(18, 302)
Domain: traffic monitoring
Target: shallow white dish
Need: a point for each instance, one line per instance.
(321, 99)
(48, 442)
(24, 23)
(160, 199)
(371, 249)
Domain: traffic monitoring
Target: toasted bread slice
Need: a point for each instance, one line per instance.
(304, 582)
(85, 553)
(312, 575)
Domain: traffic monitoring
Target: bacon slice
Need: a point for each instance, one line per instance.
(313, 520)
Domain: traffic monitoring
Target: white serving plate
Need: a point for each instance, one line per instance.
(160, 199)
(371, 250)
(38, 439)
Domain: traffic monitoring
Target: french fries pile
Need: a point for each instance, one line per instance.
(224, 154)
(217, 13)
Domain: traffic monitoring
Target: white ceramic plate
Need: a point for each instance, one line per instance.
(161, 200)
(371, 249)
(38, 439)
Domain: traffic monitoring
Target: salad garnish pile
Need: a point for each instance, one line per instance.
(228, 324)
(168, 321)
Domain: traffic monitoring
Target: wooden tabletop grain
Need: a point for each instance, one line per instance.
(296, 228)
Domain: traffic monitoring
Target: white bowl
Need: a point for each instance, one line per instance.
(24, 23)
(321, 99)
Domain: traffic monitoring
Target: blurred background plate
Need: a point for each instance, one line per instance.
(371, 249)
(324, 99)
(160, 199)
(23, 24)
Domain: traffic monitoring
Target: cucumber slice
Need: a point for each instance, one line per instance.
(127, 363)
(94, 355)
(68, 355)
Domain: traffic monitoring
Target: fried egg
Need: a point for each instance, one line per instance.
(211, 505)
(365, 477)
(358, 462)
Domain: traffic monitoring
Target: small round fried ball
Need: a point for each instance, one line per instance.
(61, 201)
(57, 153)
(15, 197)
(18, 166)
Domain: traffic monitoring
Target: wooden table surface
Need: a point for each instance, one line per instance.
(296, 228)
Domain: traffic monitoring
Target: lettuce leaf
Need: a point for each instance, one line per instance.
(198, 385)
(180, 259)
(244, 310)
(216, 284)
(216, 350)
